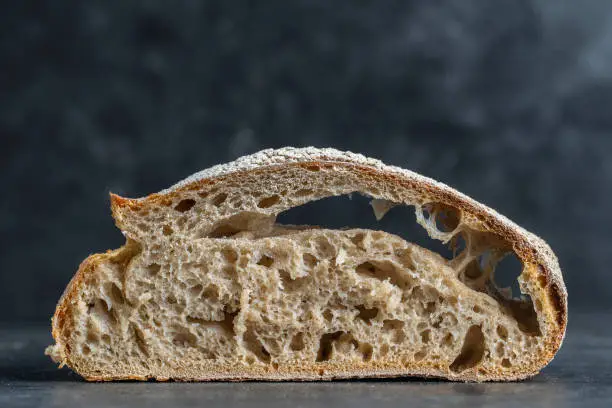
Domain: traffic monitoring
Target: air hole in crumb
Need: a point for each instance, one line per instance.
(430, 307)
(230, 255)
(167, 230)
(384, 270)
(525, 315)
(473, 270)
(102, 312)
(227, 324)
(506, 273)
(366, 314)
(328, 315)
(106, 339)
(520, 306)
(92, 336)
(502, 332)
(357, 239)
(171, 299)
(447, 217)
(397, 327)
(185, 205)
(366, 351)
(477, 309)
(324, 248)
(241, 222)
(86, 350)
(268, 201)
(392, 324)
(313, 167)
(499, 349)
(356, 213)
(219, 199)
(417, 293)
(153, 269)
(144, 227)
(472, 350)
(309, 260)
(326, 345)
(420, 355)
(297, 342)
(196, 290)
(229, 270)
(184, 338)
(116, 295)
(211, 292)
(289, 284)
(506, 363)
(224, 231)
(266, 261)
(425, 336)
(448, 340)
(254, 345)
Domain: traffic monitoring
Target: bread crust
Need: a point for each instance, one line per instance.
(532, 250)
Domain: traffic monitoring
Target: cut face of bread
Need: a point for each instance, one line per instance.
(210, 287)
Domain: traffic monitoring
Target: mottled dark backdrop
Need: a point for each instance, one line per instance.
(508, 101)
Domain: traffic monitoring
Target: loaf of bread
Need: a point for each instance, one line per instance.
(209, 287)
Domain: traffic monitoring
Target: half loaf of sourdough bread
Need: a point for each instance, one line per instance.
(209, 287)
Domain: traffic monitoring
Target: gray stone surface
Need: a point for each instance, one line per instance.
(508, 101)
(579, 375)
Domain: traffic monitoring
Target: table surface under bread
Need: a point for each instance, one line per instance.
(581, 374)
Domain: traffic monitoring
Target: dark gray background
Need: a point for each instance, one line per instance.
(508, 101)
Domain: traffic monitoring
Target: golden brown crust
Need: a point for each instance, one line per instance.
(60, 322)
(540, 261)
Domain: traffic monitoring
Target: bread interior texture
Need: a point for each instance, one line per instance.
(245, 297)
